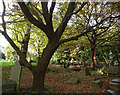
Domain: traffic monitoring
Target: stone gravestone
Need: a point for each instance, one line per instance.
(15, 73)
(11, 85)
(112, 70)
(115, 84)
(85, 71)
(73, 81)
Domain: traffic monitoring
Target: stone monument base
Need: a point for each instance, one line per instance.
(8, 86)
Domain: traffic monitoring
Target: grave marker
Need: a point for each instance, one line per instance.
(15, 73)
(115, 84)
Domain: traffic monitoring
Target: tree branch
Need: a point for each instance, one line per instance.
(29, 16)
(45, 11)
(1, 31)
(11, 42)
(83, 4)
(52, 8)
(3, 14)
(14, 21)
(48, 18)
(35, 12)
(62, 26)
(88, 38)
(73, 38)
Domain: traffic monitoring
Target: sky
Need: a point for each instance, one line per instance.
(3, 41)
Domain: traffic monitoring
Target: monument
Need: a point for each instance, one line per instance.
(15, 73)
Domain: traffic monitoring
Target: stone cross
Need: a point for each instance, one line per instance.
(15, 73)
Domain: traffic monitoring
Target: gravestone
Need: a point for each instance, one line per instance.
(11, 85)
(112, 70)
(97, 83)
(115, 84)
(8, 86)
(85, 71)
(73, 81)
(15, 73)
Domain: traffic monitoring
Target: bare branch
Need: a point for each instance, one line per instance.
(1, 31)
(3, 20)
(29, 16)
(45, 11)
(52, 8)
(65, 20)
(35, 12)
(37, 9)
(83, 4)
(11, 41)
(88, 38)
(73, 38)
(14, 21)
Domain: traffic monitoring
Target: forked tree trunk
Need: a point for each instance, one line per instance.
(41, 68)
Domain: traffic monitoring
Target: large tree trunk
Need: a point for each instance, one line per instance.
(38, 79)
(41, 68)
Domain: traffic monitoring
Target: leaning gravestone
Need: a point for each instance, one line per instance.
(15, 73)
(11, 85)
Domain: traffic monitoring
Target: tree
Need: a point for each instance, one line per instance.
(54, 36)
(95, 13)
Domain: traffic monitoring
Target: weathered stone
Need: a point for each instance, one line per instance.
(85, 72)
(56, 65)
(15, 72)
(117, 80)
(9, 86)
(116, 88)
(73, 81)
(75, 68)
(97, 83)
(115, 70)
(115, 84)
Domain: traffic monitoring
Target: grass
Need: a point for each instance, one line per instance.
(34, 64)
(5, 63)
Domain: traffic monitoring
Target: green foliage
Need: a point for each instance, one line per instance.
(6, 63)
(84, 86)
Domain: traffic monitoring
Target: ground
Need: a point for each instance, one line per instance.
(56, 81)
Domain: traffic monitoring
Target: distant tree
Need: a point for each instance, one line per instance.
(102, 33)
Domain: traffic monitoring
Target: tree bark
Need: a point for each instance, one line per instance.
(41, 68)
(24, 43)
(38, 79)
(92, 58)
